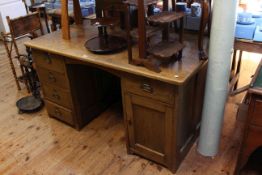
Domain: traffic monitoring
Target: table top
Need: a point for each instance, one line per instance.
(248, 46)
(175, 73)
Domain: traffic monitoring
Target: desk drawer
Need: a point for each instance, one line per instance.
(52, 78)
(58, 96)
(149, 88)
(59, 112)
(49, 61)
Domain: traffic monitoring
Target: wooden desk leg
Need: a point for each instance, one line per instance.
(238, 67)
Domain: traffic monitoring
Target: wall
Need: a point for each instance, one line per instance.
(12, 8)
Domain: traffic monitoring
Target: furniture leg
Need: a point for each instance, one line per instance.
(238, 67)
(233, 67)
(53, 25)
(65, 20)
(11, 64)
(46, 20)
(165, 32)
(181, 31)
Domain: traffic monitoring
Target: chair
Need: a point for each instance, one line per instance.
(25, 26)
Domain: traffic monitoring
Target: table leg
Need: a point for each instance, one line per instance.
(238, 67)
(181, 31)
(233, 66)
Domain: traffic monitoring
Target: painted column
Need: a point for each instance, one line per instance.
(220, 49)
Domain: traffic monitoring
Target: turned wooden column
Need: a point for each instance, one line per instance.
(77, 12)
(65, 17)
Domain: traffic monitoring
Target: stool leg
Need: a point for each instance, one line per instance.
(53, 25)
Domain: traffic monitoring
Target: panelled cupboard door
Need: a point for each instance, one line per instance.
(150, 128)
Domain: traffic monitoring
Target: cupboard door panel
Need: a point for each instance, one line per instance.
(256, 116)
(150, 125)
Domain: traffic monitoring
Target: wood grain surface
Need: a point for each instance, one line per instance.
(176, 73)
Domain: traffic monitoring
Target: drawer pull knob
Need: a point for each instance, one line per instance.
(58, 112)
(147, 87)
(51, 77)
(48, 59)
(56, 96)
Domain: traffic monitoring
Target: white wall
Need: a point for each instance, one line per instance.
(3, 2)
(12, 8)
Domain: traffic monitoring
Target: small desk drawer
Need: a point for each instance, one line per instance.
(58, 96)
(52, 78)
(59, 112)
(149, 88)
(49, 61)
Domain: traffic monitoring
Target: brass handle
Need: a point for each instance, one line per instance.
(51, 77)
(58, 112)
(147, 87)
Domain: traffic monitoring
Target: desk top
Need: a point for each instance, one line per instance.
(176, 73)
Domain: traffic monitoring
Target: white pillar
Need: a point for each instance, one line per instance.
(220, 49)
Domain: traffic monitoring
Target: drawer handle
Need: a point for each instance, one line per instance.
(51, 77)
(56, 96)
(58, 112)
(147, 87)
(48, 59)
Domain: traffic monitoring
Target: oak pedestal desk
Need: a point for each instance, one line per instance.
(161, 110)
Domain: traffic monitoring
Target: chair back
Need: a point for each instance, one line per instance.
(19, 28)
(24, 25)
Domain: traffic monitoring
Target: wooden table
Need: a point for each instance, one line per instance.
(161, 111)
(242, 45)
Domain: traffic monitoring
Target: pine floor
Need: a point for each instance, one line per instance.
(38, 145)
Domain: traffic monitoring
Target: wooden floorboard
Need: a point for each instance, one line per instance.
(34, 144)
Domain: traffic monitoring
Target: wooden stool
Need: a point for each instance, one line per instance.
(55, 15)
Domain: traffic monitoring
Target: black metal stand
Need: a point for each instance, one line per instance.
(34, 102)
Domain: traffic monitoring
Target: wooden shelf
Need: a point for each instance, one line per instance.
(166, 17)
(150, 31)
(165, 49)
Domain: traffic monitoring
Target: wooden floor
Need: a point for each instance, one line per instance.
(36, 144)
